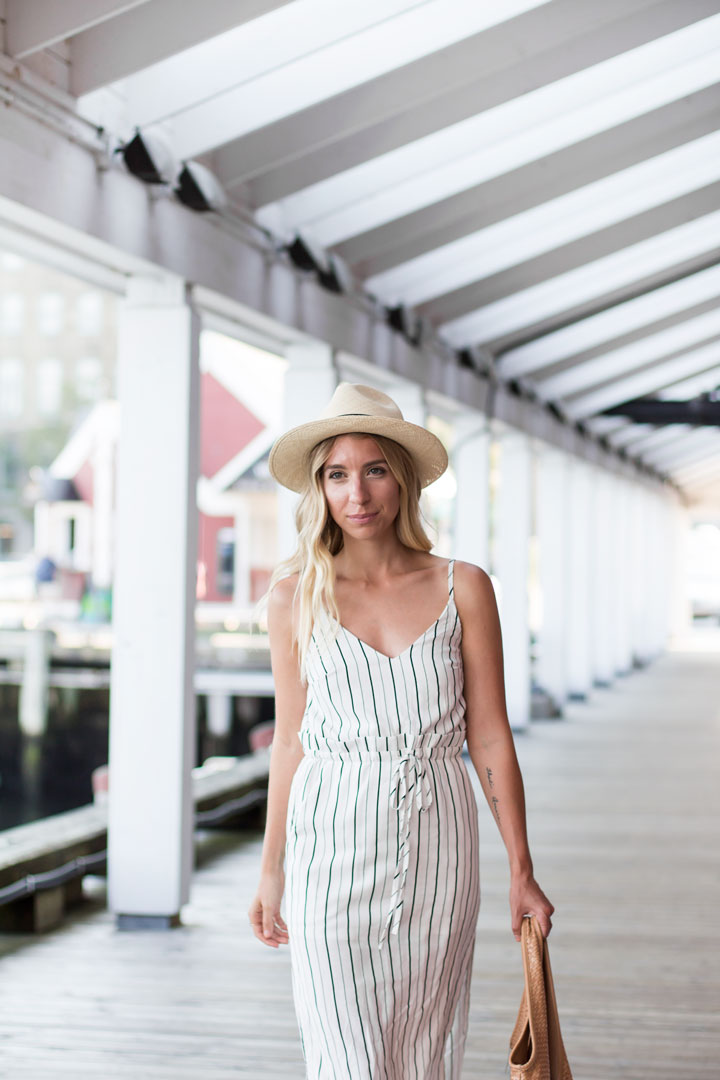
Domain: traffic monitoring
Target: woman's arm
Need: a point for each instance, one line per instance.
(285, 756)
(490, 740)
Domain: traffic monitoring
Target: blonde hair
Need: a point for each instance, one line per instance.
(320, 538)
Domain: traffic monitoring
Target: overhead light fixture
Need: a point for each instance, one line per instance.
(332, 272)
(477, 357)
(307, 255)
(406, 322)
(199, 189)
(149, 157)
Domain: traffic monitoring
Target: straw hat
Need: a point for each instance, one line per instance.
(354, 407)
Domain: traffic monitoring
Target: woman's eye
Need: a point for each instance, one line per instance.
(332, 475)
(377, 468)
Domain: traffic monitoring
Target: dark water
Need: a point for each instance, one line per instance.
(47, 774)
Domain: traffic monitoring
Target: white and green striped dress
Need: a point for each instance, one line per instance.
(382, 860)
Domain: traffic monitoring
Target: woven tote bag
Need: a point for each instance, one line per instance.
(536, 1046)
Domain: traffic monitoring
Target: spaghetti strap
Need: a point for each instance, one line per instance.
(451, 587)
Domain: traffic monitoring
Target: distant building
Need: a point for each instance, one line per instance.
(57, 358)
(236, 495)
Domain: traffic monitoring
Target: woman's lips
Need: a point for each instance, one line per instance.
(360, 518)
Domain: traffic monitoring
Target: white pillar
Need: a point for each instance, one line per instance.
(603, 667)
(619, 580)
(310, 381)
(511, 557)
(578, 638)
(34, 690)
(637, 585)
(680, 610)
(553, 532)
(471, 462)
(219, 713)
(152, 701)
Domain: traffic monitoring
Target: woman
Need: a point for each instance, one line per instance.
(370, 804)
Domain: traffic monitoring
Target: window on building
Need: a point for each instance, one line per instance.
(50, 313)
(89, 314)
(225, 554)
(12, 313)
(48, 389)
(11, 386)
(88, 378)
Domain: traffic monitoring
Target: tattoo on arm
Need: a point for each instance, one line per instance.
(495, 808)
(489, 776)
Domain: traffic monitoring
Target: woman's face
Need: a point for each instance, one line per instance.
(362, 495)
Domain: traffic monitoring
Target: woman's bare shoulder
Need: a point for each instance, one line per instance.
(280, 601)
(473, 585)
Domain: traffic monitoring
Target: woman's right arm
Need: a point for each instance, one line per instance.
(285, 756)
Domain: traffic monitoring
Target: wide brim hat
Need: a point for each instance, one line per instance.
(354, 407)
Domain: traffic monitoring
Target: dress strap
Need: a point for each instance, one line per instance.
(451, 567)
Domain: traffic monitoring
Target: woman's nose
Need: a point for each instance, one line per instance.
(358, 489)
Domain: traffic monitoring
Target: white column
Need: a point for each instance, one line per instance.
(552, 516)
(680, 608)
(637, 584)
(471, 462)
(653, 580)
(511, 553)
(620, 538)
(152, 702)
(219, 713)
(603, 667)
(578, 638)
(310, 381)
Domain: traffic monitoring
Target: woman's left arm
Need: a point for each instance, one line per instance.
(490, 740)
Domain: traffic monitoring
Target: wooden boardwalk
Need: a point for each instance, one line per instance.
(623, 801)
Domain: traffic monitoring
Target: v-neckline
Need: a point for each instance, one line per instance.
(420, 637)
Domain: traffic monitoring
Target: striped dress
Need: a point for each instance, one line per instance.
(382, 859)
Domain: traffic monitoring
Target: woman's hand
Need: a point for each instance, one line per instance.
(527, 898)
(264, 912)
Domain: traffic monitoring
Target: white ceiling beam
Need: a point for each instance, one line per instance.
(697, 444)
(416, 101)
(419, 231)
(37, 24)
(584, 374)
(580, 286)
(644, 382)
(623, 318)
(549, 225)
(368, 54)
(690, 388)
(656, 437)
(509, 136)
(624, 433)
(133, 41)
(203, 74)
(700, 470)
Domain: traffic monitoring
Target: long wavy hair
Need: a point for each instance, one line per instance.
(320, 538)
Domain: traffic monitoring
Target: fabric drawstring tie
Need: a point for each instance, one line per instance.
(410, 783)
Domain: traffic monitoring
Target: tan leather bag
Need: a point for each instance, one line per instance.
(536, 1046)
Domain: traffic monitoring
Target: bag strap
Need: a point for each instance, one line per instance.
(559, 1065)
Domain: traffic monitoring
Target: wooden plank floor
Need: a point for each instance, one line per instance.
(623, 800)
